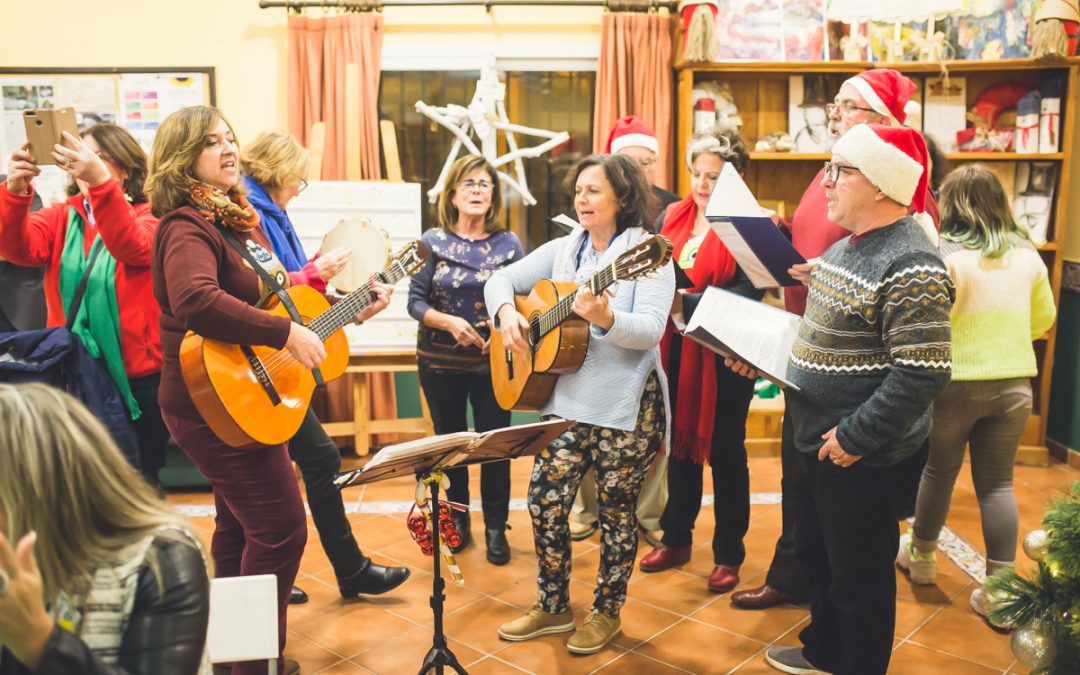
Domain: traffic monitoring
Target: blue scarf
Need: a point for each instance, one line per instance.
(277, 226)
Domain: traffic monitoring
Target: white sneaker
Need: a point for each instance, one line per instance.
(981, 604)
(922, 568)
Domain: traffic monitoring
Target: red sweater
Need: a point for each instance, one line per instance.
(37, 240)
(812, 233)
(203, 285)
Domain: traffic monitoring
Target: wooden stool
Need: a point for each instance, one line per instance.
(363, 427)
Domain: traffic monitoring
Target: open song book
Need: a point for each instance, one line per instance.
(760, 248)
(747, 330)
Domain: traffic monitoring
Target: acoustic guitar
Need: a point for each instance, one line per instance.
(559, 339)
(257, 394)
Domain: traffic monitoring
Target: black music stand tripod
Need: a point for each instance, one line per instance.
(461, 449)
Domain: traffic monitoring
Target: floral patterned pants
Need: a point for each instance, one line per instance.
(621, 459)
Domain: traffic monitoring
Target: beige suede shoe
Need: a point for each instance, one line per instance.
(580, 531)
(536, 623)
(598, 630)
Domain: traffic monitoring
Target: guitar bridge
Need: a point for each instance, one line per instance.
(261, 375)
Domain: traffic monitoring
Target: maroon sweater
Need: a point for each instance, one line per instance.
(203, 285)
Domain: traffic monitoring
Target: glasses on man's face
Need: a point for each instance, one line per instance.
(833, 170)
(846, 108)
(647, 160)
(302, 186)
(473, 185)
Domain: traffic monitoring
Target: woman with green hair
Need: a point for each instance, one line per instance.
(1003, 303)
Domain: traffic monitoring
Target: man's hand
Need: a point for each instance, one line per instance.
(741, 368)
(833, 452)
(802, 271)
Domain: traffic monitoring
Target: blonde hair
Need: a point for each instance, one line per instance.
(447, 213)
(178, 143)
(975, 212)
(275, 159)
(62, 476)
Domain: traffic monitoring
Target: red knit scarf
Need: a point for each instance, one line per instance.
(695, 406)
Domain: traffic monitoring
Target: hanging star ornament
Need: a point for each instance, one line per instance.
(486, 117)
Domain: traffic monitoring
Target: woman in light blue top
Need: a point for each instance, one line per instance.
(618, 399)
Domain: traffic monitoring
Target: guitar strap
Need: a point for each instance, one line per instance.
(274, 287)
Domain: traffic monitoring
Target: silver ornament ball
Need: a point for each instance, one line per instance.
(1035, 544)
(1034, 646)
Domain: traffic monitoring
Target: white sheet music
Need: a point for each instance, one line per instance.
(748, 330)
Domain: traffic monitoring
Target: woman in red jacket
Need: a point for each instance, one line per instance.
(118, 317)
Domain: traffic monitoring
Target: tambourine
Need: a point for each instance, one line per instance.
(370, 248)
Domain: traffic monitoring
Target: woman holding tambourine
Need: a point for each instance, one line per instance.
(447, 298)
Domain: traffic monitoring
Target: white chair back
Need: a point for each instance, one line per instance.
(243, 620)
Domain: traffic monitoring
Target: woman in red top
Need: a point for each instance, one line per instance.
(710, 402)
(109, 168)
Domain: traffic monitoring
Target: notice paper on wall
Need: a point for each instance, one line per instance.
(760, 248)
(748, 330)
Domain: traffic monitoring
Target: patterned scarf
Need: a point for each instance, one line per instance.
(230, 210)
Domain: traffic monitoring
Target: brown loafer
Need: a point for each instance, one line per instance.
(724, 578)
(762, 597)
(664, 557)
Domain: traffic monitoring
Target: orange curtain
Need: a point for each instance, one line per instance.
(635, 78)
(320, 50)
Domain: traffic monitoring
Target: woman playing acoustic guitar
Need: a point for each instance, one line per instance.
(203, 284)
(617, 398)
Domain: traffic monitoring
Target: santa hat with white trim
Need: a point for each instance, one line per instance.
(887, 92)
(631, 131)
(895, 161)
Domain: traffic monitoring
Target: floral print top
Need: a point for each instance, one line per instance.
(452, 282)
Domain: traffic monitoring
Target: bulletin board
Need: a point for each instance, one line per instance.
(134, 98)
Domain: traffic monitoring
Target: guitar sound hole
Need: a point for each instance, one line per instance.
(534, 334)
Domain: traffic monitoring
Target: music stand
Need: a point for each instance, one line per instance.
(430, 456)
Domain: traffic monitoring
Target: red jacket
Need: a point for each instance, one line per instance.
(37, 240)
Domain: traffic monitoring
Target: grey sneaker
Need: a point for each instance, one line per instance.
(597, 630)
(791, 660)
(922, 568)
(535, 623)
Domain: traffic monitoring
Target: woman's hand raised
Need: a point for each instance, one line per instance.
(21, 170)
(81, 162)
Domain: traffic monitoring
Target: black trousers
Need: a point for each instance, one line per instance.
(785, 572)
(730, 476)
(319, 459)
(448, 394)
(847, 536)
(150, 430)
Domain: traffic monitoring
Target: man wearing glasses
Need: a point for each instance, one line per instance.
(879, 96)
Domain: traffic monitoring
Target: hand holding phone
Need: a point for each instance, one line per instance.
(21, 170)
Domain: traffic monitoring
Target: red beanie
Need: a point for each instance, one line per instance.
(631, 131)
(887, 92)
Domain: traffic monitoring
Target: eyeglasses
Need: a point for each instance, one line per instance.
(846, 108)
(471, 185)
(647, 160)
(302, 186)
(832, 170)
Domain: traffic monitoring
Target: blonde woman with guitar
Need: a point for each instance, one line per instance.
(617, 398)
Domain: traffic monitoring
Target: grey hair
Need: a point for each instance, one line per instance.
(706, 142)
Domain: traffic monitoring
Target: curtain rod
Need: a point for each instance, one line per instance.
(378, 5)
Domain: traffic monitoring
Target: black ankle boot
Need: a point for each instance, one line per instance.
(498, 549)
(297, 596)
(372, 579)
(464, 527)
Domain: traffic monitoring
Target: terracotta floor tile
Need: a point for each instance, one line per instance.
(962, 633)
(673, 591)
(477, 624)
(640, 622)
(490, 665)
(548, 654)
(911, 614)
(700, 648)
(309, 655)
(411, 600)
(633, 663)
(913, 659)
(762, 626)
(405, 653)
(336, 629)
(342, 668)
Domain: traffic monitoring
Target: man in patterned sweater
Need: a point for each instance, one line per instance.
(872, 353)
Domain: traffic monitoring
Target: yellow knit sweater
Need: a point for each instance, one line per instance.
(1002, 305)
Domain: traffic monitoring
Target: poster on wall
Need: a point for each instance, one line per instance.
(149, 98)
(771, 30)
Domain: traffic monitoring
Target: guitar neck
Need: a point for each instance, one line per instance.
(598, 283)
(344, 311)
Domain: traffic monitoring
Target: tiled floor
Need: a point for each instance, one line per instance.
(671, 623)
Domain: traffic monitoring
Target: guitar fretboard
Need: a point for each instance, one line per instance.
(550, 319)
(345, 311)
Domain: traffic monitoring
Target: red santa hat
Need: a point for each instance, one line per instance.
(887, 92)
(631, 131)
(892, 158)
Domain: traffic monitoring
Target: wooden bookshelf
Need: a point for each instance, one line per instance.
(760, 90)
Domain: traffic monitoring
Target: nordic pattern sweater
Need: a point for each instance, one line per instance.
(873, 348)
